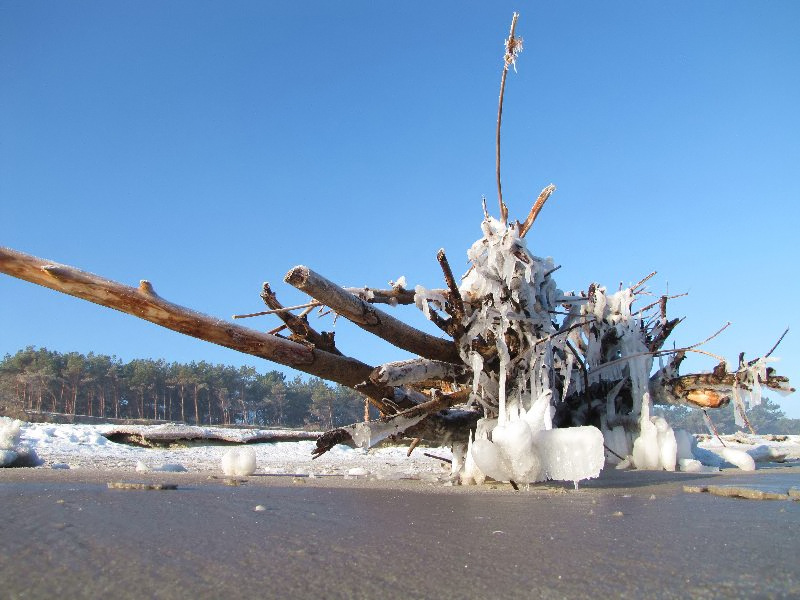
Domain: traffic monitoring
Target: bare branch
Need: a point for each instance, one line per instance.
(780, 339)
(513, 47)
(456, 302)
(273, 311)
(298, 325)
(370, 318)
(144, 303)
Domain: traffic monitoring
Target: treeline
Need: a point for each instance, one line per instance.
(43, 381)
(765, 418)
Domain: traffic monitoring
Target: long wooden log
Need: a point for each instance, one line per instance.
(370, 318)
(144, 303)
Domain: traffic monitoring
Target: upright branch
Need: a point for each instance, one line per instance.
(513, 48)
(456, 302)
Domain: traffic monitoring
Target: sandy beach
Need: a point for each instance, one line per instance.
(64, 533)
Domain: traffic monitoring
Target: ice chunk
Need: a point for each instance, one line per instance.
(686, 443)
(14, 453)
(646, 453)
(667, 444)
(471, 474)
(618, 443)
(9, 438)
(491, 460)
(516, 441)
(738, 458)
(239, 461)
(571, 453)
(690, 465)
(171, 468)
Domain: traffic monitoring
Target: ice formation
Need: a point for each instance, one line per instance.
(12, 451)
(239, 462)
(542, 383)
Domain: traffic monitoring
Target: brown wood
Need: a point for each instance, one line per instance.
(370, 318)
(143, 302)
(298, 325)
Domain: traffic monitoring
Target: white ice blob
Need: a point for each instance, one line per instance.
(239, 461)
(570, 453)
(738, 458)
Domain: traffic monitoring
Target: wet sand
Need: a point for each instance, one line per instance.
(629, 535)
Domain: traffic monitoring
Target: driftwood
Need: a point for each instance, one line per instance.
(370, 318)
(522, 355)
(144, 303)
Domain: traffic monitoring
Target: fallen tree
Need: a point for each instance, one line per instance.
(530, 382)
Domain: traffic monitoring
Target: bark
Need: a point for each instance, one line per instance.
(370, 318)
(393, 297)
(417, 370)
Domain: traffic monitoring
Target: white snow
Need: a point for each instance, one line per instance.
(83, 446)
(12, 447)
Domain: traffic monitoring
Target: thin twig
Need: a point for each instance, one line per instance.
(441, 458)
(713, 427)
(709, 338)
(612, 452)
(661, 352)
(512, 49)
(712, 355)
(652, 304)
(641, 282)
(780, 339)
(279, 310)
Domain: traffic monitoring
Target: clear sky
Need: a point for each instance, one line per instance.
(211, 146)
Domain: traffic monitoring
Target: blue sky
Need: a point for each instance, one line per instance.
(210, 146)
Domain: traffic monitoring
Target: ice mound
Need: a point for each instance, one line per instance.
(13, 453)
(516, 453)
(239, 461)
(571, 453)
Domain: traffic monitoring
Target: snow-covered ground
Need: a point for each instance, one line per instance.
(86, 447)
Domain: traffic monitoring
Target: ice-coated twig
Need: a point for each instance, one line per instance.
(513, 47)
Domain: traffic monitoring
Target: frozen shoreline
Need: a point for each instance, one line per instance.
(196, 449)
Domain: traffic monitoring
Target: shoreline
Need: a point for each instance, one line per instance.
(629, 534)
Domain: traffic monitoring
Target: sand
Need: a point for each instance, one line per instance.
(630, 535)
